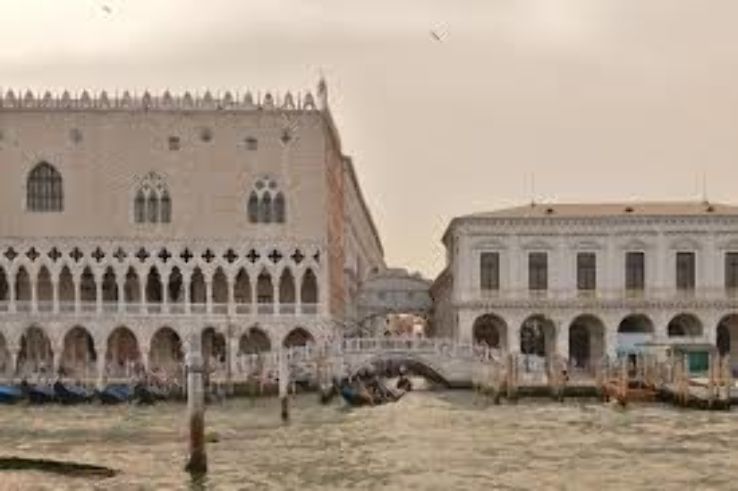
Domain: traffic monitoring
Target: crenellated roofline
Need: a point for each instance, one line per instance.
(166, 101)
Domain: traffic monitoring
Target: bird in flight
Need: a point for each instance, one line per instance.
(107, 9)
(438, 35)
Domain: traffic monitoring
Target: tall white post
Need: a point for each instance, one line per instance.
(197, 463)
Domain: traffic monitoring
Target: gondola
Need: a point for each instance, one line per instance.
(70, 394)
(404, 384)
(115, 394)
(148, 394)
(10, 394)
(357, 398)
(40, 394)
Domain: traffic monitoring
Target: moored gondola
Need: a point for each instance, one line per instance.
(40, 394)
(71, 394)
(115, 394)
(10, 394)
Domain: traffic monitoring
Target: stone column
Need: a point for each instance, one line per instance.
(55, 294)
(275, 296)
(209, 295)
(121, 294)
(57, 353)
(254, 294)
(562, 338)
(34, 293)
(231, 296)
(142, 290)
(102, 354)
(99, 294)
(11, 293)
(165, 293)
(77, 293)
(14, 351)
(298, 295)
(186, 282)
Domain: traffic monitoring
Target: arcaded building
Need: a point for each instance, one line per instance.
(588, 280)
(133, 224)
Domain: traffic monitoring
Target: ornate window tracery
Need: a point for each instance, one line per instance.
(266, 203)
(152, 203)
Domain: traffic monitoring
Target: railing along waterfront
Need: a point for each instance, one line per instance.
(604, 295)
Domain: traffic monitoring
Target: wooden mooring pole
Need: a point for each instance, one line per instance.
(197, 464)
(284, 397)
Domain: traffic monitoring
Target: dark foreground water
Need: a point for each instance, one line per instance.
(429, 440)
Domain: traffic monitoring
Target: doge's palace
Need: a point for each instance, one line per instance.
(133, 223)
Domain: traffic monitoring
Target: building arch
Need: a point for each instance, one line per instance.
(213, 345)
(78, 353)
(254, 341)
(109, 286)
(298, 336)
(67, 292)
(537, 336)
(166, 352)
(5, 360)
(490, 330)
(123, 354)
(132, 287)
(154, 287)
(727, 336)
(4, 286)
(586, 342)
(44, 290)
(287, 287)
(264, 288)
(634, 331)
(684, 325)
(309, 287)
(220, 287)
(198, 291)
(175, 286)
(87, 286)
(35, 355)
(242, 287)
(44, 189)
(22, 289)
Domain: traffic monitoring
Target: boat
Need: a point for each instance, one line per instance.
(40, 394)
(357, 397)
(404, 384)
(10, 394)
(148, 394)
(115, 394)
(70, 394)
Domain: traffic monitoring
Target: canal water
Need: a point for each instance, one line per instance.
(428, 440)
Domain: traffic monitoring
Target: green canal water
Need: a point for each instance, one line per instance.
(429, 440)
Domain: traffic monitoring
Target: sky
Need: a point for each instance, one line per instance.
(545, 100)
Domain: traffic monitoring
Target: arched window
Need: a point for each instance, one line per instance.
(266, 203)
(152, 203)
(44, 190)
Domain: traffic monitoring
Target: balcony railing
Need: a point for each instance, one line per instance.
(155, 308)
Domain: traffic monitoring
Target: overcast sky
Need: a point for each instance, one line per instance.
(600, 99)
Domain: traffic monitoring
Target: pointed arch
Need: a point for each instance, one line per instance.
(66, 289)
(123, 355)
(132, 287)
(198, 293)
(309, 288)
(253, 342)
(139, 207)
(78, 355)
(44, 190)
(153, 287)
(109, 286)
(287, 287)
(265, 208)
(166, 207)
(280, 208)
(22, 285)
(44, 290)
(5, 360)
(88, 286)
(166, 351)
(220, 287)
(297, 337)
(176, 286)
(35, 354)
(253, 207)
(242, 287)
(264, 288)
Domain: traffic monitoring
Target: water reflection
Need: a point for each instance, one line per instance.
(426, 441)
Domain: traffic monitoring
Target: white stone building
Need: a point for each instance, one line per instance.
(587, 280)
(130, 224)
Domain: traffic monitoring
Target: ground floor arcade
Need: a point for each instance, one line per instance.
(585, 337)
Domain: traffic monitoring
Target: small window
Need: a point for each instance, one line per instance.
(586, 271)
(731, 270)
(685, 270)
(206, 135)
(252, 143)
(489, 271)
(538, 271)
(635, 270)
(174, 143)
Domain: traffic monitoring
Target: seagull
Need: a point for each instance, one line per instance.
(438, 35)
(107, 9)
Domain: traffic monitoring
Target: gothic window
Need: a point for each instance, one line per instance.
(489, 270)
(266, 203)
(44, 190)
(153, 203)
